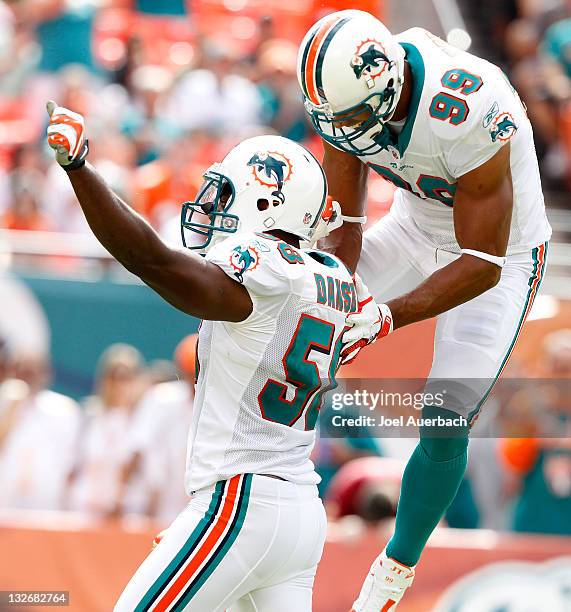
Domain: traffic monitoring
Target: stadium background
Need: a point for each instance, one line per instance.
(167, 87)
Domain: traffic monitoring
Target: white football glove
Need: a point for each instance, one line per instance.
(371, 321)
(66, 136)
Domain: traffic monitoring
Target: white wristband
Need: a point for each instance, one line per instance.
(498, 261)
(361, 220)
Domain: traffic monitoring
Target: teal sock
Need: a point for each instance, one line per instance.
(430, 483)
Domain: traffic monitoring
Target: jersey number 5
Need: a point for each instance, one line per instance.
(453, 109)
(302, 373)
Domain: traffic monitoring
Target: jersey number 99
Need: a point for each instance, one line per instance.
(447, 107)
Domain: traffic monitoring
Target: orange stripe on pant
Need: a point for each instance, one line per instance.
(204, 549)
(538, 276)
(312, 57)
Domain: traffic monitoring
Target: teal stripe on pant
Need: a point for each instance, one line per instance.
(197, 534)
(537, 274)
(223, 548)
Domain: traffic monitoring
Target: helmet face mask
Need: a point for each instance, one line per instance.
(351, 72)
(343, 129)
(207, 217)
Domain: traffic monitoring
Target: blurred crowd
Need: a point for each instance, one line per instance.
(162, 101)
(532, 40)
(166, 92)
(164, 89)
(121, 451)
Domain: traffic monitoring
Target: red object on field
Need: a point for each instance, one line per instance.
(348, 482)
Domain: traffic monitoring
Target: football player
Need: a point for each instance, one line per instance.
(274, 318)
(465, 240)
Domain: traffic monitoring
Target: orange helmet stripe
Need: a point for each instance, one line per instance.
(310, 83)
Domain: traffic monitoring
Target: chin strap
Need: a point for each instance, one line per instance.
(498, 261)
(361, 220)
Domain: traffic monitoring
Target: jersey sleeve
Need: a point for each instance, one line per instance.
(256, 263)
(495, 114)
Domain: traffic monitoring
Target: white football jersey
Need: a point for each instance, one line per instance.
(462, 111)
(261, 381)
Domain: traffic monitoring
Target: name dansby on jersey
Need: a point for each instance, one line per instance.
(261, 381)
(463, 110)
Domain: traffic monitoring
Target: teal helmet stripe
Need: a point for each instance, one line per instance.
(304, 63)
(321, 57)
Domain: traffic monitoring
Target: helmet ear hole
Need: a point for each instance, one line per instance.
(263, 204)
(391, 83)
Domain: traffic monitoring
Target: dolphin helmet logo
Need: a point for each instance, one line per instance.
(370, 59)
(273, 170)
(243, 259)
(503, 128)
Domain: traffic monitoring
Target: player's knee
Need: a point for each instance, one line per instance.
(444, 435)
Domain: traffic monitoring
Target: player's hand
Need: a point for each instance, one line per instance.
(371, 321)
(66, 136)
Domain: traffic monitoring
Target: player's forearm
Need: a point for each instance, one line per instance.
(345, 243)
(347, 184)
(121, 230)
(456, 283)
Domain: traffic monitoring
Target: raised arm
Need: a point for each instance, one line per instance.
(482, 217)
(184, 279)
(347, 180)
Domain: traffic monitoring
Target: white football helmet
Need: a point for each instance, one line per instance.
(265, 183)
(351, 72)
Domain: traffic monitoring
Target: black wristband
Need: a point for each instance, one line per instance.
(79, 161)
